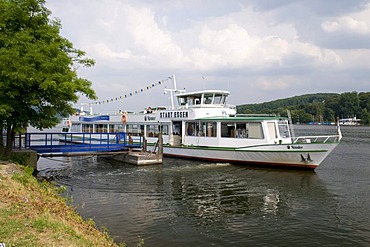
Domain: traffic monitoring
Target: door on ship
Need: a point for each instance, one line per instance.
(176, 133)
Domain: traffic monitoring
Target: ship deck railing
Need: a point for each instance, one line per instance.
(317, 139)
(80, 142)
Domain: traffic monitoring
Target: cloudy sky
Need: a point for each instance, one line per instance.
(259, 50)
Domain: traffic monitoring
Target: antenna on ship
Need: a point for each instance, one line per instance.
(174, 82)
(173, 90)
(291, 125)
(90, 108)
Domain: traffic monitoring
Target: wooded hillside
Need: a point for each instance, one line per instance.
(320, 107)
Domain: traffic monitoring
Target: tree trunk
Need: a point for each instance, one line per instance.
(2, 149)
(9, 140)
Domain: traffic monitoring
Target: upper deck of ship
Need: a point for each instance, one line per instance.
(205, 98)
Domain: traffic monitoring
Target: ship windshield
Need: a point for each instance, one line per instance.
(219, 99)
(182, 100)
(190, 100)
(284, 129)
(207, 98)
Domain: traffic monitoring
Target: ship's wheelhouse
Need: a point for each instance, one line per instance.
(207, 98)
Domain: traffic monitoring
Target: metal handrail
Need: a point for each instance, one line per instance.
(79, 141)
(315, 139)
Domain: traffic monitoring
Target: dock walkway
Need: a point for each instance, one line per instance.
(117, 145)
(80, 142)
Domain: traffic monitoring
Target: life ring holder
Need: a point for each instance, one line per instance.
(124, 118)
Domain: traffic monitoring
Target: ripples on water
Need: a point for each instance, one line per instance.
(190, 203)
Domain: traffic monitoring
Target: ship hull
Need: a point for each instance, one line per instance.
(306, 156)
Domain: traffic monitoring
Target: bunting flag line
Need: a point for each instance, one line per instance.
(125, 96)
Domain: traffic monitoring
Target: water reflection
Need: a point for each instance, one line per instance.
(186, 203)
(271, 202)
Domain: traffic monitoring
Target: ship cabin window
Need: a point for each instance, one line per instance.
(192, 128)
(241, 130)
(219, 99)
(203, 99)
(87, 128)
(227, 130)
(193, 99)
(165, 130)
(117, 128)
(255, 131)
(135, 129)
(284, 129)
(251, 130)
(152, 130)
(206, 129)
(234, 130)
(182, 100)
(207, 98)
(75, 127)
(101, 128)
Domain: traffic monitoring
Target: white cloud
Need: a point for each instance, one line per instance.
(105, 52)
(274, 84)
(136, 42)
(356, 23)
(235, 46)
(346, 24)
(231, 46)
(148, 36)
(331, 26)
(321, 56)
(133, 35)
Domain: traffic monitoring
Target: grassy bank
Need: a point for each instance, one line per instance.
(33, 214)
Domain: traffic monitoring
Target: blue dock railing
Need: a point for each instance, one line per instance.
(81, 142)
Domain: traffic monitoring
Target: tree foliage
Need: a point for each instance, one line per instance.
(317, 107)
(38, 77)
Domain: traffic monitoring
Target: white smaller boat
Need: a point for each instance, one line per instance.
(201, 125)
(350, 121)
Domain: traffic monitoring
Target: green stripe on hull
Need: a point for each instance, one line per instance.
(238, 149)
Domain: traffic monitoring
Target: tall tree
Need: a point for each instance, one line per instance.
(364, 100)
(333, 104)
(38, 77)
(349, 103)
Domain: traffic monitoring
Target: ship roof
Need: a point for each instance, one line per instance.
(243, 118)
(203, 92)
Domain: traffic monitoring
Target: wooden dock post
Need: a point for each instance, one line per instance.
(160, 146)
(145, 144)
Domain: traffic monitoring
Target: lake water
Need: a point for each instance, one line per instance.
(192, 203)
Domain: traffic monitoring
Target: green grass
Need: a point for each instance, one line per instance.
(34, 214)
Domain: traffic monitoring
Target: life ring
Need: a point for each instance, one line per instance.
(124, 118)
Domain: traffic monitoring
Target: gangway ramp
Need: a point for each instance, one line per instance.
(80, 142)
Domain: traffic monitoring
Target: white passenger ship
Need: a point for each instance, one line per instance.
(201, 125)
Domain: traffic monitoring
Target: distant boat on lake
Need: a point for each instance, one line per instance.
(350, 121)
